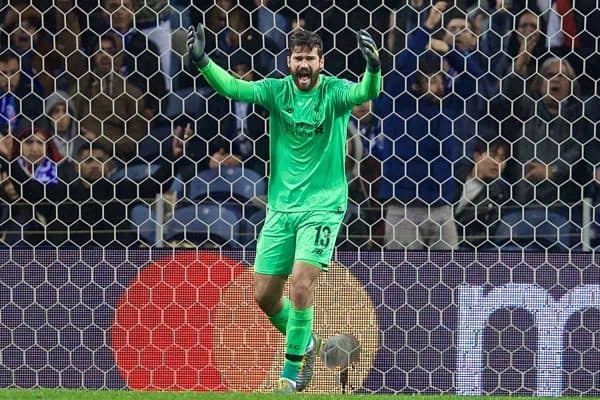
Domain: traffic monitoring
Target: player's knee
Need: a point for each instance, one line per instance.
(301, 292)
(260, 300)
(265, 303)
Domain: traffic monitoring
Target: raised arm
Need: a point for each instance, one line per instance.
(367, 89)
(227, 85)
(369, 86)
(219, 79)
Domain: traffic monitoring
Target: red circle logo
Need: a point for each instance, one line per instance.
(189, 322)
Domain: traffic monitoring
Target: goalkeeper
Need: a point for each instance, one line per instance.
(308, 191)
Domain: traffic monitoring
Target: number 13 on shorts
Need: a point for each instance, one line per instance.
(307, 236)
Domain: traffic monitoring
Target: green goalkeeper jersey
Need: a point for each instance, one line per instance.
(307, 134)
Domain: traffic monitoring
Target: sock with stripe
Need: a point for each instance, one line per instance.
(298, 333)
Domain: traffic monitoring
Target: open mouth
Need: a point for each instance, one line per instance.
(304, 78)
(554, 90)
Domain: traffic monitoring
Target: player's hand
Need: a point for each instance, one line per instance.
(368, 48)
(196, 44)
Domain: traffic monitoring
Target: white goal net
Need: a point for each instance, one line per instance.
(115, 153)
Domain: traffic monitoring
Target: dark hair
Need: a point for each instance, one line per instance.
(94, 146)
(34, 21)
(108, 37)
(27, 130)
(492, 147)
(8, 55)
(430, 65)
(456, 13)
(96, 45)
(304, 38)
(514, 46)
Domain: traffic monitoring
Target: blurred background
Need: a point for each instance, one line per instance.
(485, 138)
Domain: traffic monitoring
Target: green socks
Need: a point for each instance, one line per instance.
(280, 320)
(298, 333)
(297, 326)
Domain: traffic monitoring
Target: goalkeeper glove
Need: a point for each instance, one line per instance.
(368, 48)
(196, 44)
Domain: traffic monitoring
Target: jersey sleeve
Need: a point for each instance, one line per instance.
(225, 84)
(349, 94)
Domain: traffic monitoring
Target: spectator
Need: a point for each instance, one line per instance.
(368, 127)
(529, 43)
(108, 105)
(572, 31)
(459, 46)
(149, 12)
(21, 42)
(244, 140)
(66, 58)
(361, 170)
(355, 150)
(404, 19)
(240, 40)
(524, 48)
(190, 146)
(234, 134)
(23, 35)
(482, 193)
(467, 68)
(19, 94)
(419, 146)
(9, 104)
(64, 128)
(494, 19)
(551, 128)
(548, 131)
(141, 56)
(214, 20)
(36, 186)
(274, 25)
(188, 151)
(490, 5)
(103, 219)
(238, 139)
(366, 170)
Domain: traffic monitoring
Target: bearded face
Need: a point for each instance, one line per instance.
(305, 66)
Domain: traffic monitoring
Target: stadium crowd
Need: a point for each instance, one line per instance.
(486, 135)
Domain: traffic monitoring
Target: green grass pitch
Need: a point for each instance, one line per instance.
(59, 394)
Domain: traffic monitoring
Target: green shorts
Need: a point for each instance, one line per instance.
(286, 237)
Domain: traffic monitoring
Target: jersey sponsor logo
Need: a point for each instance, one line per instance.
(305, 129)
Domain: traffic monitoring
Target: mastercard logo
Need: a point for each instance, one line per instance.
(189, 322)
